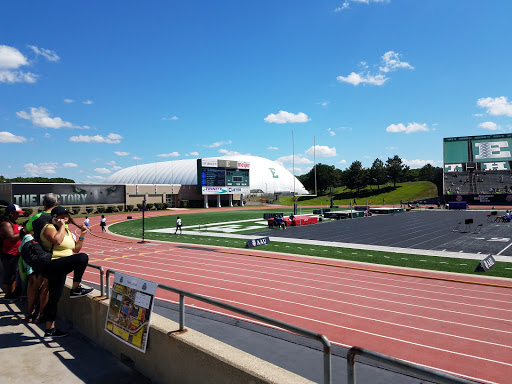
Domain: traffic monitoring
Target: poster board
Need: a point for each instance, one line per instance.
(130, 309)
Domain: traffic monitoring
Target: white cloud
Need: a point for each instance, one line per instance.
(88, 102)
(321, 151)
(391, 148)
(299, 159)
(358, 78)
(417, 163)
(392, 62)
(172, 154)
(102, 170)
(324, 103)
(41, 117)
(111, 138)
(136, 158)
(118, 153)
(46, 168)
(111, 162)
(497, 106)
(218, 144)
(342, 161)
(331, 132)
(46, 53)
(69, 101)
(170, 118)
(10, 60)
(410, 128)
(194, 153)
(346, 3)
(7, 137)
(478, 114)
(286, 117)
(232, 153)
(100, 178)
(491, 126)
(17, 77)
(273, 148)
(116, 168)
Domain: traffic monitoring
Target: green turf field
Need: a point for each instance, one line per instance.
(198, 221)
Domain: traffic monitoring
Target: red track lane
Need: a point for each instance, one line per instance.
(456, 327)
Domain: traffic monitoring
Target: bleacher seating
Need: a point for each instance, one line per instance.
(468, 183)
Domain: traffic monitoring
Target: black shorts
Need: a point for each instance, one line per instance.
(9, 266)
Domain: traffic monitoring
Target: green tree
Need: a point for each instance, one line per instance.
(377, 173)
(434, 175)
(326, 176)
(395, 168)
(356, 176)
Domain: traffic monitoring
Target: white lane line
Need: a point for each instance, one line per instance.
(284, 291)
(344, 302)
(344, 285)
(504, 249)
(304, 271)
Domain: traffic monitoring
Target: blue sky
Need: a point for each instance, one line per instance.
(87, 88)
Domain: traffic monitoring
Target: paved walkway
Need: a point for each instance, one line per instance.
(27, 357)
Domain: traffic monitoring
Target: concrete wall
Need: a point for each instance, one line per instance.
(171, 356)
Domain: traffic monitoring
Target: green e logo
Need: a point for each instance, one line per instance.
(274, 174)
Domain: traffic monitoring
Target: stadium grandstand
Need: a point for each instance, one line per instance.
(478, 169)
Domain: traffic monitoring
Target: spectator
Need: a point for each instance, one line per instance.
(86, 222)
(9, 253)
(103, 223)
(65, 258)
(37, 284)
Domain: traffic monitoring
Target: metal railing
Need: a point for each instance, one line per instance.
(406, 366)
(327, 370)
(102, 273)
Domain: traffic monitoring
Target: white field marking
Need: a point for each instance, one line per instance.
(338, 313)
(327, 299)
(462, 264)
(504, 249)
(443, 262)
(405, 258)
(354, 253)
(387, 257)
(237, 262)
(500, 239)
(423, 260)
(332, 342)
(366, 247)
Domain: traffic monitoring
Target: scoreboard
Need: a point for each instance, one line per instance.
(222, 176)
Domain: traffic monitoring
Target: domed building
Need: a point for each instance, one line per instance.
(264, 176)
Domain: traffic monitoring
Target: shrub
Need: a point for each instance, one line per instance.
(184, 203)
(149, 206)
(120, 208)
(139, 206)
(158, 206)
(28, 212)
(100, 209)
(76, 210)
(111, 209)
(129, 208)
(89, 209)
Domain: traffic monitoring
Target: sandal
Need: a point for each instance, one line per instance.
(39, 319)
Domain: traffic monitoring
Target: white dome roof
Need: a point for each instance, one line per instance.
(184, 172)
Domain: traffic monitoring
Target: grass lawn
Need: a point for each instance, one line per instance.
(416, 190)
(133, 228)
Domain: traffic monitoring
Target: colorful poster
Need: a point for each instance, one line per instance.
(130, 308)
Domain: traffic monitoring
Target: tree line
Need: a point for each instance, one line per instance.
(35, 180)
(356, 177)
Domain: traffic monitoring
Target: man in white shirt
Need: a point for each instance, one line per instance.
(178, 225)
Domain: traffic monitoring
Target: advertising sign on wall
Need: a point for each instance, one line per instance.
(130, 308)
(31, 195)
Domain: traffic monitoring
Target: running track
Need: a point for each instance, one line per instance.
(459, 328)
